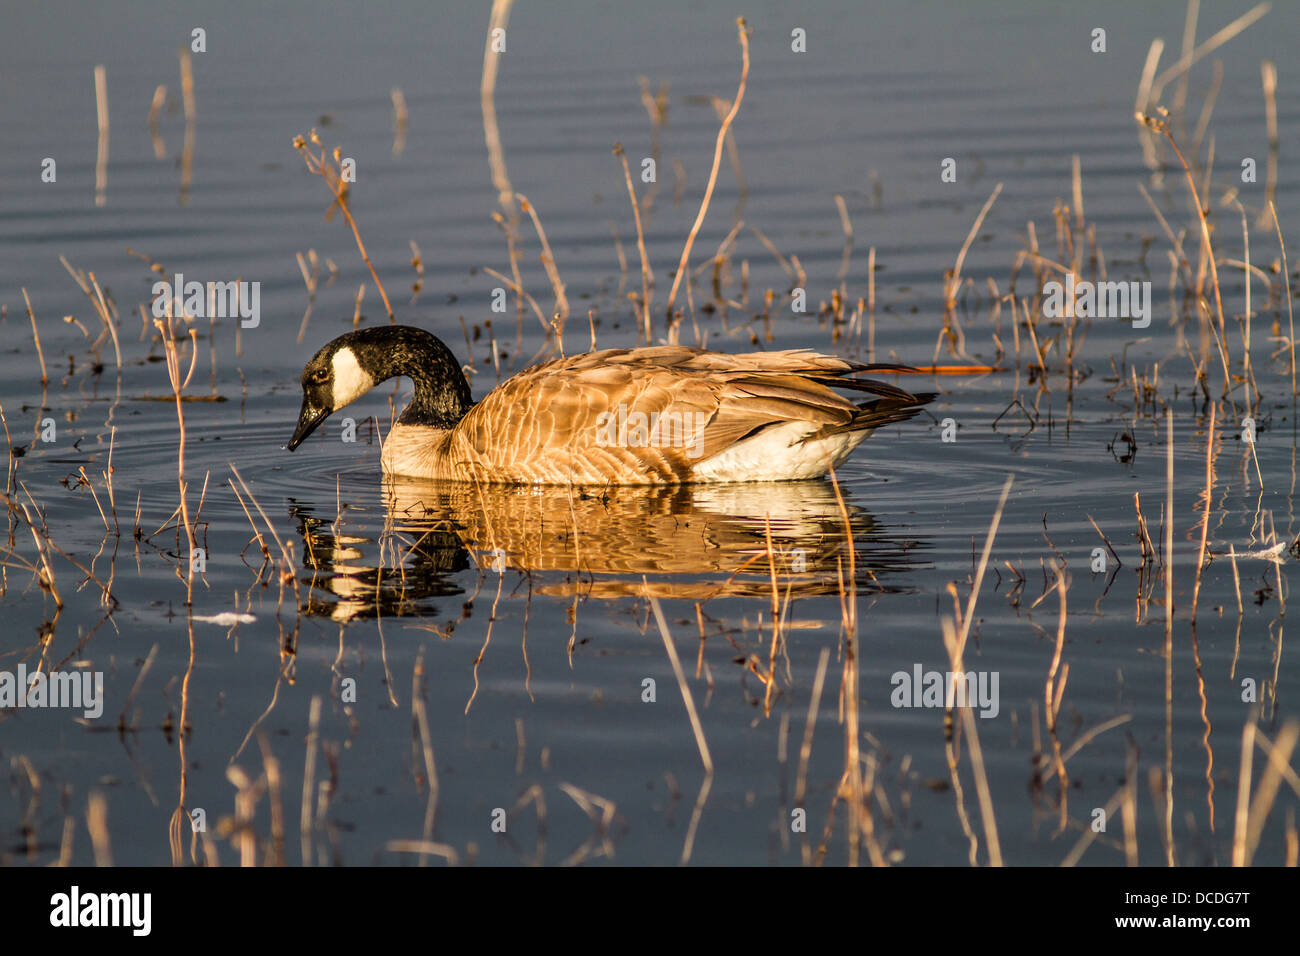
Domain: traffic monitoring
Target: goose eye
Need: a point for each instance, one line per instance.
(320, 375)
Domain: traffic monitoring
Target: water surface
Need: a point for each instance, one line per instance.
(504, 638)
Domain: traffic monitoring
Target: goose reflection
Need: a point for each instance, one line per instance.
(414, 545)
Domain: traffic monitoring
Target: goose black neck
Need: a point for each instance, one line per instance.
(442, 396)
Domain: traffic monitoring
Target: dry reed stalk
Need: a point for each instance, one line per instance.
(776, 618)
(810, 723)
(271, 774)
(1161, 125)
(1279, 766)
(1149, 157)
(548, 261)
(1247, 370)
(509, 222)
(46, 575)
(9, 477)
(105, 313)
(849, 688)
(601, 812)
(240, 830)
(622, 261)
(135, 687)
(1207, 108)
(191, 111)
(1277, 566)
(287, 573)
(1291, 344)
(44, 544)
(952, 282)
(180, 820)
(424, 848)
(1189, 45)
(1236, 577)
(1242, 817)
(309, 779)
(155, 110)
(1143, 535)
(776, 253)
(65, 844)
(1040, 353)
(1129, 807)
(105, 310)
(1052, 694)
(1205, 520)
(497, 20)
(983, 564)
(953, 643)
(1109, 546)
(179, 386)
(656, 107)
(1175, 241)
(108, 479)
(647, 277)
(356, 305)
(400, 119)
(1188, 60)
(1076, 183)
(492, 619)
(1089, 835)
(266, 552)
(847, 226)
(97, 824)
(720, 107)
(1154, 52)
(871, 304)
(717, 161)
(81, 471)
(45, 379)
(310, 279)
(101, 152)
(1169, 637)
(191, 121)
(519, 290)
(333, 178)
(850, 681)
(696, 727)
(1268, 79)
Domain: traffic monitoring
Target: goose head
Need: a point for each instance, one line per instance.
(349, 366)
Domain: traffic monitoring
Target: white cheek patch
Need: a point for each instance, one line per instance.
(350, 379)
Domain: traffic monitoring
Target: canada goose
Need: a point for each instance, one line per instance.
(657, 415)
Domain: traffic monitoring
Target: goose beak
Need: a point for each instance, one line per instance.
(309, 420)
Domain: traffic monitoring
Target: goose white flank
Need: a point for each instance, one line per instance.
(642, 416)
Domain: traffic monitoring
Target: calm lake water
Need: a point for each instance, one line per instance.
(506, 639)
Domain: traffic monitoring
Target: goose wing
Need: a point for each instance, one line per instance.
(649, 415)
